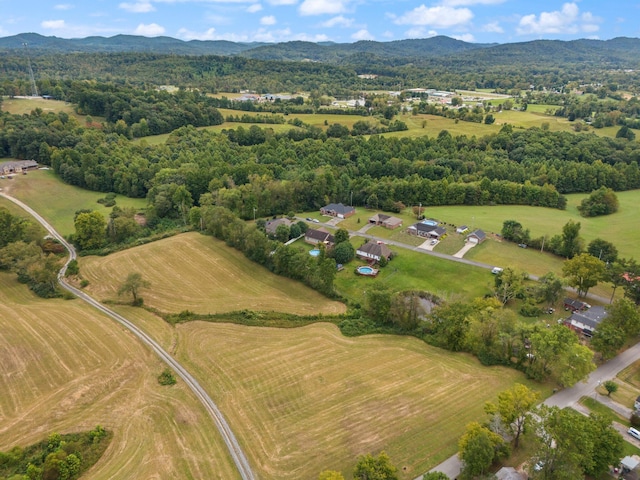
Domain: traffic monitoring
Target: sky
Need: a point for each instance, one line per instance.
(344, 21)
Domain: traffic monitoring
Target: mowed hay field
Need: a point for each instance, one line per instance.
(67, 368)
(57, 201)
(201, 274)
(307, 399)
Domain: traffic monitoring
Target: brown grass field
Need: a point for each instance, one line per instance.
(309, 399)
(67, 368)
(198, 273)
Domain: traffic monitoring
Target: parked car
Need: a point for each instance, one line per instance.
(315, 220)
(496, 270)
(308, 219)
(522, 245)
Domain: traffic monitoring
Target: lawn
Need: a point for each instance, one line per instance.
(57, 201)
(309, 399)
(411, 270)
(201, 274)
(67, 368)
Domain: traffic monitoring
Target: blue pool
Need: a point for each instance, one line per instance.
(314, 253)
(367, 271)
(432, 223)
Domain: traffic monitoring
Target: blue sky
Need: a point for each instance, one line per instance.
(502, 21)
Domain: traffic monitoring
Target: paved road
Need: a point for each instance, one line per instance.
(565, 398)
(246, 473)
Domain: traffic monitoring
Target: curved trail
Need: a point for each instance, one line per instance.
(223, 427)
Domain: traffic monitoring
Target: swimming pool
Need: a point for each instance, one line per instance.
(367, 271)
(314, 253)
(431, 223)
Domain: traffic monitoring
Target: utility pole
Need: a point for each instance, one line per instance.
(34, 88)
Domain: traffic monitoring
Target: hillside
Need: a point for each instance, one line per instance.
(615, 51)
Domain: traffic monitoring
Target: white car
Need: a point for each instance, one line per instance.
(496, 270)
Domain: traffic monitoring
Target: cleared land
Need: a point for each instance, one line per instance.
(56, 201)
(22, 106)
(66, 368)
(310, 399)
(201, 274)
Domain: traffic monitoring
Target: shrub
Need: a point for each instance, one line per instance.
(634, 420)
(167, 377)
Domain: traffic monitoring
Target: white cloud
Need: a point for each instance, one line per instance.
(320, 7)
(362, 35)
(63, 6)
(493, 27)
(150, 30)
(420, 32)
(268, 20)
(140, 7)
(185, 34)
(438, 17)
(467, 3)
(567, 21)
(466, 37)
(388, 34)
(256, 7)
(53, 24)
(338, 21)
(282, 2)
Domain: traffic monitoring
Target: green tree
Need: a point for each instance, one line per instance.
(626, 132)
(132, 285)
(91, 230)
(282, 233)
(341, 235)
(508, 284)
(375, 468)
(514, 409)
(550, 286)
(489, 119)
(571, 241)
(611, 387)
(603, 250)
(183, 201)
(607, 339)
(583, 272)
(478, 448)
(435, 476)
(451, 324)
(601, 202)
(378, 302)
(344, 252)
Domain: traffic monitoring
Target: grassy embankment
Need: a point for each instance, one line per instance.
(67, 368)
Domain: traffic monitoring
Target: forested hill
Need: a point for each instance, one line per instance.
(623, 52)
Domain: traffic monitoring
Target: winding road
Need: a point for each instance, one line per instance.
(236, 452)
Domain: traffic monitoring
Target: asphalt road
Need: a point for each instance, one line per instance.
(236, 452)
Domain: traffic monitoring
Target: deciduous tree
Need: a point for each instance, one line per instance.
(375, 468)
(583, 272)
(514, 407)
(132, 285)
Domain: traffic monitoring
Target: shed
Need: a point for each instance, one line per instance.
(477, 236)
(509, 473)
(629, 463)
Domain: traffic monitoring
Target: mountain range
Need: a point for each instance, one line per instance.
(620, 51)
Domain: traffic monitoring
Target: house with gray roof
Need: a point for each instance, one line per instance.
(338, 210)
(373, 250)
(586, 321)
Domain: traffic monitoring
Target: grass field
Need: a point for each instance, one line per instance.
(310, 399)
(66, 368)
(56, 201)
(201, 274)
(22, 106)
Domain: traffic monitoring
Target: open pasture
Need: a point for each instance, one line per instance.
(24, 106)
(57, 201)
(67, 368)
(620, 228)
(201, 274)
(310, 399)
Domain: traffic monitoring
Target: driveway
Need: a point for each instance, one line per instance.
(427, 245)
(467, 246)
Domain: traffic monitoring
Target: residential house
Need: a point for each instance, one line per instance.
(17, 166)
(510, 473)
(586, 322)
(338, 210)
(477, 236)
(271, 225)
(575, 305)
(315, 236)
(426, 230)
(373, 250)
(385, 220)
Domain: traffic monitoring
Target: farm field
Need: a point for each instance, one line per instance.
(312, 399)
(67, 368)
(56, 201)
(201, 274)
